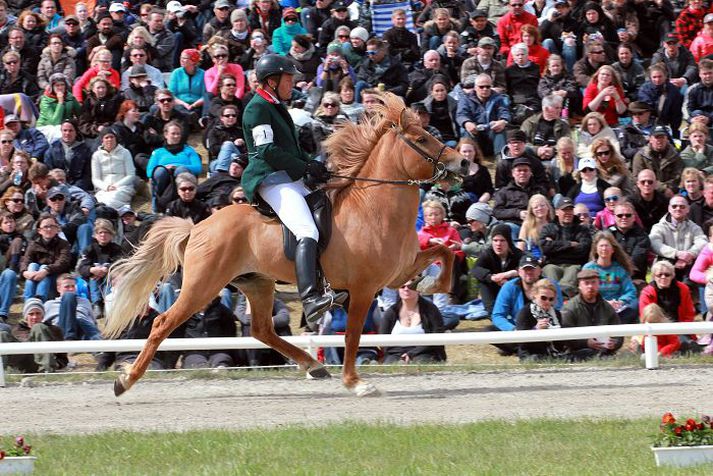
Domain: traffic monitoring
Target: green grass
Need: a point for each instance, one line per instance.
(544, 447)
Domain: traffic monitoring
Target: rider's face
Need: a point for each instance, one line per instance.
(283, 89)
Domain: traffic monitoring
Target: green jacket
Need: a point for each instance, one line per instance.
(53, 113)
(277, 145)
(577, 313)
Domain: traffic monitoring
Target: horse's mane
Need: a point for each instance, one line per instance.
(349, 147)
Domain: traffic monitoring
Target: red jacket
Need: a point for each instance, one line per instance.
(686, 310)
(509, 29)
(668, 345)
(610, 114)
(444, 231)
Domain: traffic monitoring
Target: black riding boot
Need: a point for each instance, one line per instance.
(314, 301)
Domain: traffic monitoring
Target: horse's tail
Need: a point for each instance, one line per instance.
(158, 256)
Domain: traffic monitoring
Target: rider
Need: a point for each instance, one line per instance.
(282, 174)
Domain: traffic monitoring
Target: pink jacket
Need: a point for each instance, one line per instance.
(702, 46)
(212, 77)
(605, 218)
(703, 263)
(444, 231)
(83, 83)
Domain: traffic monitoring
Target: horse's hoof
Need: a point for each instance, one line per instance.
(318, 373)
(119, 387)
(365, 389)
(426, 285)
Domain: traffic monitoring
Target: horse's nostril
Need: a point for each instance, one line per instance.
(464, 163)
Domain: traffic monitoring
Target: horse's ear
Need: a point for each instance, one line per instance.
(402, 116)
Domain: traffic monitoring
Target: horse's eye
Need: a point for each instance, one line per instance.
(421, 140)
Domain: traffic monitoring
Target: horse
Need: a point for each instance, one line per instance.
(379, 165)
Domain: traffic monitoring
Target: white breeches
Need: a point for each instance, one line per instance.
(287, 199)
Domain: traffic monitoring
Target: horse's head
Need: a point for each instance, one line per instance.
(425, 157)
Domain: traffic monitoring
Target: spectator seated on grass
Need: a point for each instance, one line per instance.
(70, 312)
(113, 172)
(32, 329)
(540, 314)
(224, 139)
(47, 257)
(215, 321)
(95, 260)
(588, 308)
(71, 154)
(12, 244)
(667, 345)
(75, 226)
(222, 182)
(187, 205)
(42, 182)
(280, 322)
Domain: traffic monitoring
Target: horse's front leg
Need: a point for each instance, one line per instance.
(359, 303)
(429, 285)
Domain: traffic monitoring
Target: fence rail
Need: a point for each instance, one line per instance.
(311, 342)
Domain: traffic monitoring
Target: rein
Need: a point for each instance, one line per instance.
(439, 169)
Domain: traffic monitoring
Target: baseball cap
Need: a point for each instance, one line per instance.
(71, 18)
(339, 5)
(521, 161)
(137, 71)
(586, 164)
(673, 37)
(565, 202)
(117, 7)
(126, 209)
(486, 41)
(174, 6)
(56, 191)
(659, 131)
(223, 4)
(516, 136)
(528, 261)
(10, 118)
(477, 14)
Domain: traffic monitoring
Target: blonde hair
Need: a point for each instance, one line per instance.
(143, 33)
(653, 313)
(530, 227)
(544, 284)
(433, 204)
(562, 142)
(103, 224)
(691, 172)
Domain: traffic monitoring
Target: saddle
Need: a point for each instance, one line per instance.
(321, 209)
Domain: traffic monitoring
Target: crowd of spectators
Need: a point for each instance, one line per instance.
(597, 116)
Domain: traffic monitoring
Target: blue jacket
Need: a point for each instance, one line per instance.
(672, 112)
(282, 37)
(79, 171)
(32, 141)
(509, 302)
(471, 109)
(188, 158)
(187, 88)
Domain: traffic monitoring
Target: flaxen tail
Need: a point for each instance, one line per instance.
(158, 256)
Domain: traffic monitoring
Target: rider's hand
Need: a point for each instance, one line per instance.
(316, 173)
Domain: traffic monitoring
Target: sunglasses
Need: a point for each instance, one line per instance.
(165, 100)
(547, 298)
(613, 198)
(222, 9)
(598, 52)
(48, 227)
(71, 23)
(624, 215)
(679, 206)
(15, 200)
(663, 275)
(240, 200)
(342, 36)
(11, 62)
(582, 215)
(220, 56)
(486, 86)
(230, 115)
(587, 169)
(229, 85)
(258, 37)
(186, 189)
(646, 182)
(602, 153)
(371, 52)
(57, 198)
(290, 20)
(516, 5)
(5, 141)
(329, 104)
(138, 55)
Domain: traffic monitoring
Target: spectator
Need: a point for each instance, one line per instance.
(95, 260)
(663, 97)
(512, 199)
(479, 217)
(676, 238)
(99, 109)
(71, 312)
(12, 244)
(667, 345)
(412, 314)
(140, 89)
(691, 185)
(282, 36)
(380, 68)
(16, 173)
(690, 21)
(423, 75)
(141, 39)
(539, 213)
(535, 52)
(17, 43)
(57, 105)
(452, 56)
(545, 128)
(325, 120)
(34, 27)
(679, 61)
(661, 157)
(164, 42)
(131, 134)
(74, 225)
(510, 25)
(355, 50)
(496, 265)
(610, 166)
(166, 112)
(632, 238)
(558, 82)
(225, 139)
(139, 56)
(15, 81)
(673, 298)
(698, 154)
(32, 329)
(650, 203)
(562, 169)
(702, 45)
(699, 104)
(334, 68)
(455, 200)
(588, 308)
(221, 66)
(108, 39)
(606, 217)
(594, 126)
(72, 155)
(630, 71)
(585, 68)
(265, 14)
(702, 212)
(280, 322)
(187, 205)
(484, 115)
(589, 188)
(14, 203)
(402, 43)
(222, 182)
(581, 211)
(605, 95)
(56, 58)
(215, 320)
(516, 149)
(221, 20)
(477, 183)
(347, 97)
(635, 135)
(540, 314)
(113, 173)
(304, 53)
(565, 244)
(484, 62)
(522, 79)
(434, 30)
(27, 139)
(47, 257)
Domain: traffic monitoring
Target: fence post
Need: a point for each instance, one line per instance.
(311, 348)
(2, 373)
(651, 352)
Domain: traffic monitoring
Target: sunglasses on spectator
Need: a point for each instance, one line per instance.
(587, 169)
(165, 100)
(582, 215)
(602, 153)
(11, 62)
(613, 198)
(15, 200)
(515, 5)
(646, 182)
(598, 52)
(57, 198)
(220, 55)
(484, 86)
(371, 52)
(72, 23)
(230, 85)
(329, 104)
(547, 298)
(138, 55)
(624, 215)
(258, 37)
(230, 115)
(186, 189)
(5, 141)
(679, 206)
(240, 200)
(342, 36)
(48, 227)
(663, 275)
(224, 8)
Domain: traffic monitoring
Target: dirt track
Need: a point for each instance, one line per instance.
(455, 397)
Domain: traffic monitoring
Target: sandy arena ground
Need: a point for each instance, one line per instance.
(448, 397)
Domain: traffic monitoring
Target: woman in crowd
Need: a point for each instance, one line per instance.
(610, 165)
(595, 20)
(238, 37)
(412, 314)
(691, 185)
(614, 266)
(630, 71)
(258, 47)
(264, 14)
(563, 167)
(333, 69)
(539, 213)
(478, 183)
(187, 82)
(225, 139)
(7, 152)
(101, 67)
(594, 126)
(326, 119)
(535, 52)
(699, 153)
(56, 58)
(113, 172)
(673, 297)
(187, 205)
(138, 38)
(47, 256)
(226, 97)
(87, 25)
(350, 106)
(557, 80)
(221, 67)
(540, 313)
(130, 133)
(433, 30)
(496, 265)
(282, 36)
(442, 109)
(702, 274)
(13, 201)
(605, 217)
(34, 27)
(304, 53)
(605, 95)
(56, 106)
(522, 78)
(589, 188)
(100, 107)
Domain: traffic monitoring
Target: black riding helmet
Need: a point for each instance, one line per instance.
(272, 64)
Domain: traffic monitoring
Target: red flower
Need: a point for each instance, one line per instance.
(19, 441)
(690, 427)
(678, 430)
(701, 426)
(2, 454)
(26, 449)
(668, 418)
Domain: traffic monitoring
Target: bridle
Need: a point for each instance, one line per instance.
(439, 168)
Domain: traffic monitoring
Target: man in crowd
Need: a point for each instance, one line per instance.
(511, 200)
(545, 128)
(70, 312)
(420, 77)
(702, 212)
(164, 42)
(588, 308)
(634, 136)
(679, 61)
(510, 24)
(585, 68)
(484, 114)
(484, 62)
(650, 204)
(633, 239)
(220, 20)
(108, 37)
(699, 99)
(515, 149)
(27, 139)
(138, 57)
(662, 158)
(380, 68)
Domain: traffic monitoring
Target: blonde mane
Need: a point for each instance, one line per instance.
(350, 146)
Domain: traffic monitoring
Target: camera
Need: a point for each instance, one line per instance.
(482, 127)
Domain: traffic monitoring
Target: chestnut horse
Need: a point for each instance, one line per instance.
(373, 245)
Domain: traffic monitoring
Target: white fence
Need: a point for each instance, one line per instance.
(311, 342)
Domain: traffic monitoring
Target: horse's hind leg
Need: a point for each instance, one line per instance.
(259, 290)
(442, 283)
